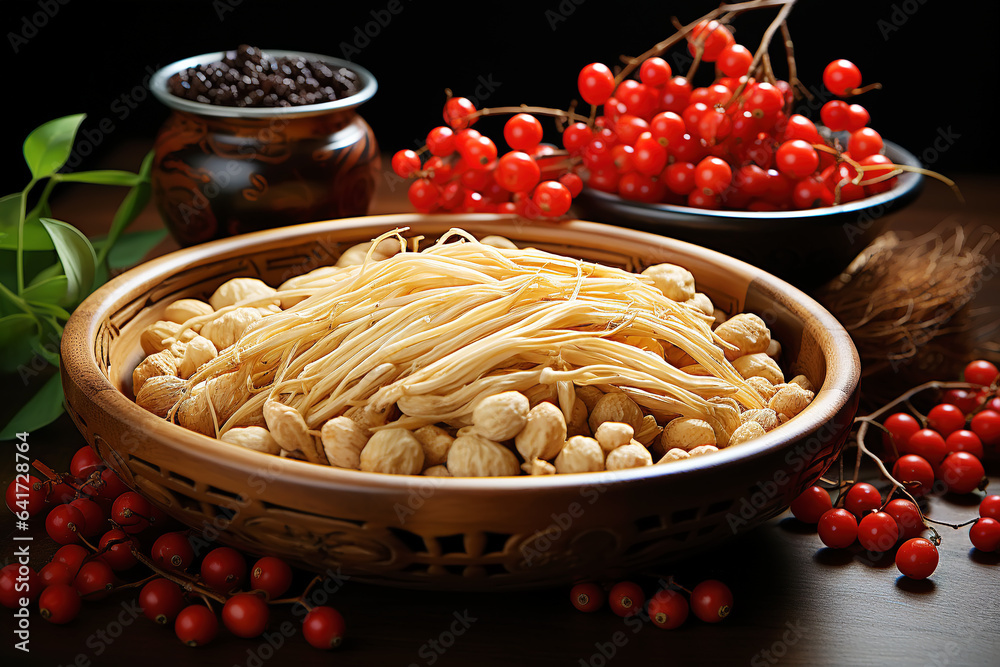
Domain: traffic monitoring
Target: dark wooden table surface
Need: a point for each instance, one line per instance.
(795, 602)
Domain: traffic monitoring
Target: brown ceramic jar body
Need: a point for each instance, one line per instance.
(221, 171)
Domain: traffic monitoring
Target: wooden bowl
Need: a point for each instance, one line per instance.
(807, 248)
(485, 533)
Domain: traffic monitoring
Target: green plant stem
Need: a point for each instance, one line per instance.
(20, 234)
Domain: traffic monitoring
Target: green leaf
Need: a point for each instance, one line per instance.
(76, 255)
(51, 290)
(49, 145)
(35, 236)
(41, 409)
(102, 177)
(133, 247)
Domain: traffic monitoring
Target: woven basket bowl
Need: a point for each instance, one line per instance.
(471, 534)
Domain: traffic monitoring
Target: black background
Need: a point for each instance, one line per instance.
(936, 59)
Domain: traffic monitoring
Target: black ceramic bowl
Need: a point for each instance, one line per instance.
(806, 248)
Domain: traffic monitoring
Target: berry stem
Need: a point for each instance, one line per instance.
(765, 42)
(524, 108)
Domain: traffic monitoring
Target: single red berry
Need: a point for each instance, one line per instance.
(85, 461)
(668, 609)
(811, 504)
(23, 497)
(966, 400)
(552, 198)
(901, 427)
(59, 604)
(626, 598)
(172, 551)
(56, 573)
(441, 141)
(573, 183)
(457, 112)
(713, 175)
(986, 425)
(864, 142)
(64, 524)
(711, 601)
(95, 580)
(576, 137)
(796, 159)
(928, 444)
(596, 83)
(18, 581)
(118, 555)
(985, 534)
(245, 615)
(841, 77)
(405, 162)
(962, 472)
(907, 517)
(61, 493)
(945, 419)
(196, 625)
(72, 555)
(878, 532)
(523, 132)
(837, 528)
(161, 600)
(655, 71)
(915, 473)
(587, 596)
(981, 372)
(93, 516)
(517, 172)
(857, 117)
(223, 569)
(423, 194)
(965, 441)
(131, 511)
(917, 558)
(271, 575)
(735, 60)
(836, 115)
(862, 498)
(323, 628)
(990, 507)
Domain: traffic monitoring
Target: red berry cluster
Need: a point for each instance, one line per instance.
(940, 450)
(79, 506)
(711, 601)
(733, 143)
(464, 174)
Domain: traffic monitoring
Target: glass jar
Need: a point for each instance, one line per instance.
(220, 171)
